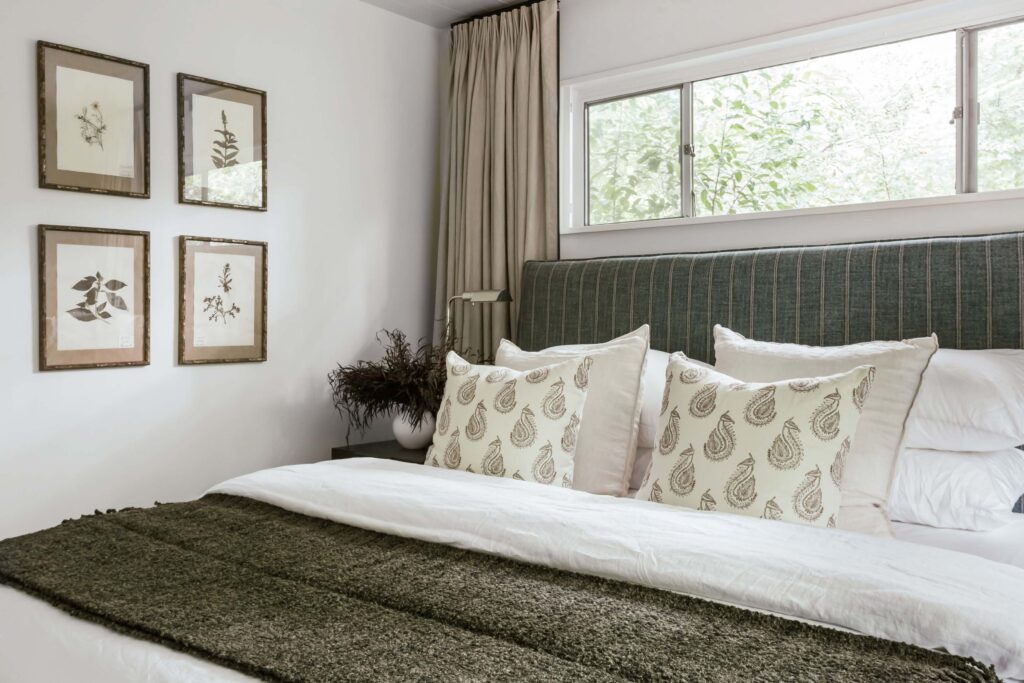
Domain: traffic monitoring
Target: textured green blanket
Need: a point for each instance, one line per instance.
(284, 597)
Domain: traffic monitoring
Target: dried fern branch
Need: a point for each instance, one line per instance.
(410, 381)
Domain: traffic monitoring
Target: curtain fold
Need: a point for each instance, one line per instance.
(499, 195)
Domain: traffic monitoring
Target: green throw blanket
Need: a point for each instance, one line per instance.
(285, 597)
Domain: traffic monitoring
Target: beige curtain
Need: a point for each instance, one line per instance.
(499, 196)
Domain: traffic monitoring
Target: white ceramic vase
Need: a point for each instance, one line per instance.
(410, 438)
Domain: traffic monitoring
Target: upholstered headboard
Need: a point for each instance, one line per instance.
(969, 290)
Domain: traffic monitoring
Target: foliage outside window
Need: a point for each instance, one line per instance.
(869, 125)
(633, 164)
(864, 126)
(1001, 108)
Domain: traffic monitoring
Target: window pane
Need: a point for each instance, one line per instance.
(1001, 108)
(863, 126)
(633, 158)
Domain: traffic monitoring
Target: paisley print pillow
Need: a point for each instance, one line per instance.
(899, 366)
(504, 423)
(614, 385)
(775, 451)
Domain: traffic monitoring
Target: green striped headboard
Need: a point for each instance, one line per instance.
(968, 290)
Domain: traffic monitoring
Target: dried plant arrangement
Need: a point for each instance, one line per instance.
(407, 380)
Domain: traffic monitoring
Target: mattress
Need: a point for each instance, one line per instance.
(935, 597)
(1005, 544)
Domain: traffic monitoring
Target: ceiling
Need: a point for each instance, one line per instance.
(440, 13)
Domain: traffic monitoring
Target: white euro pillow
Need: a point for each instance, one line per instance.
(899, 366)
(608, 433)
(957, 489)
(970, 401)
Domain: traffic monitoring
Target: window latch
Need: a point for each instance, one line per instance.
(958, 113)
(688, 150)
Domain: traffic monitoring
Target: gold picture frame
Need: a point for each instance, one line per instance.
(222, 144)
(222, 300)
(93, 127)
(94, 298)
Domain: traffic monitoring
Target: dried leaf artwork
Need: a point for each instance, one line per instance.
(226, 149)
(92, 125)
(99, 298)
(215, 304)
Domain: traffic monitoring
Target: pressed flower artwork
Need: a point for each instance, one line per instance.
(94, 311)
(223, 300)
(221, 144)
(94, 132)
(92, 124)
(215, 305)
(93, 297)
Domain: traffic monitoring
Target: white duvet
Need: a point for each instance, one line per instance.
(926, 596)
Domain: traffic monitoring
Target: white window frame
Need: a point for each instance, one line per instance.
(916, 20)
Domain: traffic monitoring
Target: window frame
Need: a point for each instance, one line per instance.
(683, 123)
(968, 105)
(964, 17)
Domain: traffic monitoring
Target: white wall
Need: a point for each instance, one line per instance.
(600, 35)
(603, 35)
(353, 101)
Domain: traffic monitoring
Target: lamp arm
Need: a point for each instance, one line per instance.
(448, 315)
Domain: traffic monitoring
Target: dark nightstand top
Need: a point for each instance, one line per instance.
(388, 450)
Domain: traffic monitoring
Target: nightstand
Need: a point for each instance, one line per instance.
(388, 450)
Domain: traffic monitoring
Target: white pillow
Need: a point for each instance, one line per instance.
(608, 435)
(899, 366)
(957, 490)
(773, 450)
(641, 465)
(503, 423)
(653, 393)
(969, 401)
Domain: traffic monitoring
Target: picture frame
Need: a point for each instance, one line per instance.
(93, 122)
(222, 300)
(94, 298)
(222, 144)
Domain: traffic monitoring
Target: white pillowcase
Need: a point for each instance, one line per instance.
(969, 401)
(773, 450)
(640, 466)
(899, 366)
(654, 388)
(957, 490)
(503, 423)
(608, 434)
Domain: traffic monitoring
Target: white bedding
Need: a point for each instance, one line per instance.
(915, 593)
(1005, 544)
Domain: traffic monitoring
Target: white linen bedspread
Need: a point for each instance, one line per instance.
(1005, 544)
(912, 593)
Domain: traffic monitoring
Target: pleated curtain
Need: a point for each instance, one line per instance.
(499, 195)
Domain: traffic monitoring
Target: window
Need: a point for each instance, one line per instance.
(633, 158)
(864, 126)
(1000, 112)
(923, 117)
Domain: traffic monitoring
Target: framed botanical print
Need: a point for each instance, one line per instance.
(222, 315)
(93, 298)
(222, 144)
(93, 122)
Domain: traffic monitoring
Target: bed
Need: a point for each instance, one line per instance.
(942, 593)
(1005, 544)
